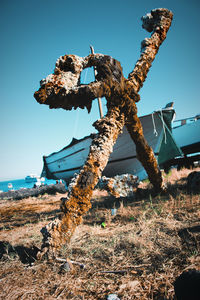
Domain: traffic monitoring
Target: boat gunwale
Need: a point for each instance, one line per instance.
(92, 135)
(73, 142)
(109, 162)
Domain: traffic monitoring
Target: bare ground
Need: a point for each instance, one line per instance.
(136, 254)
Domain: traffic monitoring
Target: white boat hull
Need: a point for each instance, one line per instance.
(68, 161)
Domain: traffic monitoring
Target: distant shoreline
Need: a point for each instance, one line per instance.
(33, 192)
(18, 184)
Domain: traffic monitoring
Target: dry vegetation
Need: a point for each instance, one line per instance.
(148, 243)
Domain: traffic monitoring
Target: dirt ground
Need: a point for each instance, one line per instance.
(136, 254)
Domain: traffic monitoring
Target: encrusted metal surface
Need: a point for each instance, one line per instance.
(123, 185)
(62, 89)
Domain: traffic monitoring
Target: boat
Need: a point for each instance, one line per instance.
(157, 129)
(186, 133)
(31, 178)
(10, 186)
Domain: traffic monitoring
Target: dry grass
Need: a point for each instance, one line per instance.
(151, 241)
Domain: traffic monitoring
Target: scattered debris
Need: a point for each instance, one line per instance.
(113, 297)
(121, 185)
(113, 211)
(103, 225)
(65, 267)
(70, 262)
(122, 272)
(130, 285)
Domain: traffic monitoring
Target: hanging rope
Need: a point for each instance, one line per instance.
(163, 123)
(154, 126)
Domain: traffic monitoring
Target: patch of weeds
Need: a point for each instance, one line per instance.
(194, 253)
(158, 210)
(36, 238)
(168, 174)
(65, 251)
(145, 180)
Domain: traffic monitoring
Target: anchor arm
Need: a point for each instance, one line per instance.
(158, 22)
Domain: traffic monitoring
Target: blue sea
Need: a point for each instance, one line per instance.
(20, 183)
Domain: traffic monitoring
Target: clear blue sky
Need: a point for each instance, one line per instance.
(35, 33)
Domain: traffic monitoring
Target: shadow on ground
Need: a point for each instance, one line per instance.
(25, 254)
(25, 217)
